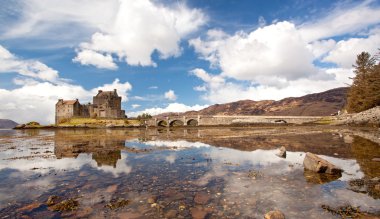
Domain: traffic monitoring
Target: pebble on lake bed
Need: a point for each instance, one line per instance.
(274, 215)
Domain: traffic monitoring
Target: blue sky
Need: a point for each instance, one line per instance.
(167, 55)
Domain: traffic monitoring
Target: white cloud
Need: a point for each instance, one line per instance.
(170, 95)
(153, 87)
(134, 106)
(341, 21)
(261, 21)
(41, 19)
(200, 88)
(345, 51)
(36, 100)
(268, 55)
(118, 28)
(172, 107)
(138, 98)
(122, 88)
(321, 47)
(89, 57)
(9, 63)
(222, 91)
(283, 59)
(133, 37)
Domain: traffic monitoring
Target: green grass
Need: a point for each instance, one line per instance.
(99, 122)
(328, 120)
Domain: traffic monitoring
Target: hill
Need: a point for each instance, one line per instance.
(7, 124)
(318, 104)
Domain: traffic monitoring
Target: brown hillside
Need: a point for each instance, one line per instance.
(318, 104)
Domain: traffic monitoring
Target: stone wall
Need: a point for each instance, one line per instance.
(236, 120)
(106, 104)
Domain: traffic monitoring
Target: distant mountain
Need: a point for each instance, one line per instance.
(318, 104)
(7, 124)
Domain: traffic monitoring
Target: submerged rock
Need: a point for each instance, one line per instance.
(253, 174)
(314, 163)
(66, 205)
(201, 198)
(368, 186)
(119, 203)
(52, 200)
(198, 213)
(274, 215)
(282, 152)
(347, 211)
(171, 214)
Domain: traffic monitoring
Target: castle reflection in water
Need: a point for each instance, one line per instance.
(104, 148)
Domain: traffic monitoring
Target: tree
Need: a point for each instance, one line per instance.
(144, 116)
(364, 92)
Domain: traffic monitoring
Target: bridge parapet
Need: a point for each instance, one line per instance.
(200, 120)
(173, 120)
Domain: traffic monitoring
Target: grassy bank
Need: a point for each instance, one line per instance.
(85, 123)
(97, 122)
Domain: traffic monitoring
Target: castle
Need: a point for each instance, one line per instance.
(106, 104)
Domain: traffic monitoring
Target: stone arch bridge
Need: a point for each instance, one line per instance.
(200, 120)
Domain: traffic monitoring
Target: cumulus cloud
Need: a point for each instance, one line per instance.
(284, 59)
(269, 55)
(217, 90)
(9, 63)
(122, 88)
(118, 28)
(89, 57)
(345, 51)
(36, 100)
(133, 37)
(170, 95)
(172, 107)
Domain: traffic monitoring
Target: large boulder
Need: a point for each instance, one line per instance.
(314, 163)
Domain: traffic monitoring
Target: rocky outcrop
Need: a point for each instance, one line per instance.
(368, 117)
(274, 215)
(314, 163)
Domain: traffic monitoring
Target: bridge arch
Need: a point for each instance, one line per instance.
(162, 123)
(192, 122)
(176, 122)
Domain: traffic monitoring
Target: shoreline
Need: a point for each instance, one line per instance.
(203, 126)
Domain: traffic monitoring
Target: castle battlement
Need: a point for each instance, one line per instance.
(106, 104)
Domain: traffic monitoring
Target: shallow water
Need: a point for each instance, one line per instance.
(184, 173)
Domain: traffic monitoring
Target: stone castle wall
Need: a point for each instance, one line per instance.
(106, 104)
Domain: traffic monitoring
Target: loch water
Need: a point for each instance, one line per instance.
(186, 172)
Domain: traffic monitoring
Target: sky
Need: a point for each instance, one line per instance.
(175, 56)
